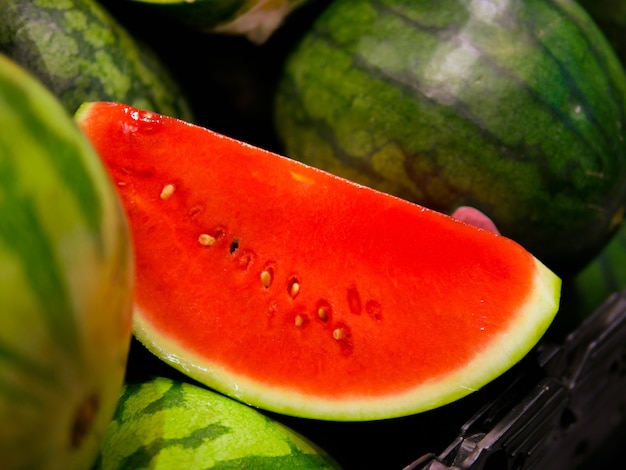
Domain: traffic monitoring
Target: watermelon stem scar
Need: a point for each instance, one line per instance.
(320, 297)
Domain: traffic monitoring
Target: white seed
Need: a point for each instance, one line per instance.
(322, 313)
(339, 334)
(294, 289)
(206, 240)
(266, 278)
(299, 320)
(167, 191)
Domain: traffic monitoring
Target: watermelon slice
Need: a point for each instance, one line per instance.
(299, 292)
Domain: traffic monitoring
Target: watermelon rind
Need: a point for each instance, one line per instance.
(167, 424)
(81, 52)
(66, 284)
(530, 323)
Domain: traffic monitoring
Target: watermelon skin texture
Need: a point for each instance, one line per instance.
(81, 53)
(299, 292)
(166, 424)
(516, 109)
(66, 284)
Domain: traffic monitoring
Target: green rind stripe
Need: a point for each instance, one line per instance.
(45, 163)
(42, 270)
(171, 397)
(67, 144)
(144, 455)
(59, 137)
(608, 65)
(614, 86)
(297, 459)
(161, 422)
(12, 389)
(410, 86)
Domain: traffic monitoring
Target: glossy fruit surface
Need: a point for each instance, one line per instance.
(66, 284)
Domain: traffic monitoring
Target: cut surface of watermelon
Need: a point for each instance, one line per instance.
(300, 292)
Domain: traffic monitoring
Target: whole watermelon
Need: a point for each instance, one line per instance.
(66, 284)
(165, 424)
(80, 51)
(516, 108)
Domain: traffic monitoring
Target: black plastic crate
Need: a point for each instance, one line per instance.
(574, 416)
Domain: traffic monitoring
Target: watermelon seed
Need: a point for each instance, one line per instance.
(322, 313)
(206, 240)
(234, 246)
(339, 334)
(293, 287)
(167, 191)
(266, 278)
(299, 321)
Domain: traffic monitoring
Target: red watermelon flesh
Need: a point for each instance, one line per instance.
(299, 292)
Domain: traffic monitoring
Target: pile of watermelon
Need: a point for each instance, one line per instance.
(294, 234)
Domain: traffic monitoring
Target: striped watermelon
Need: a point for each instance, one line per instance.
(166, 424)
(517, 108)
(255, 19)
(81, 53)
(66, 283)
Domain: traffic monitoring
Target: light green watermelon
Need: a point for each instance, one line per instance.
(66, 284)
(163, 424)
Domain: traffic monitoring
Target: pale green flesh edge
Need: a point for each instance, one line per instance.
(533, 319)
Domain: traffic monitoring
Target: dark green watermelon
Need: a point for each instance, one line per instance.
(79, 51)
(517, 108)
